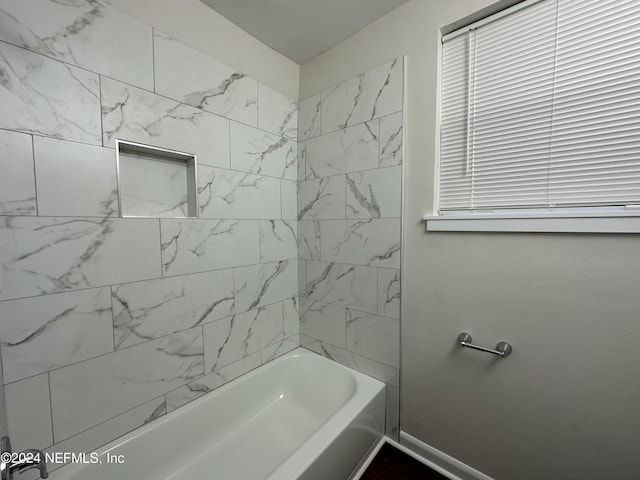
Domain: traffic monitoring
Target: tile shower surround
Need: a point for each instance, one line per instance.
(108, 323)
(349, 209)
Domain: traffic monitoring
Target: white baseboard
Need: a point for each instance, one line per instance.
(430, 456)
(440, 461)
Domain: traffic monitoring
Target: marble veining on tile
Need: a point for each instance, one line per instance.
(53, 254)
(150, 188)
(107, 323)
(302, 278)
(263, 284)
(197, 245)
(42, 333)
(373, 94)
(323, 321)
(309, 239)
(95, 390)
(209, 382)
(256, 151)
(349, 226)
(159, 411)
(373, 368)
(389, 292)
(230, 194)
(391, 140)
(279, 348)
(277, 113)
(322, 198)
(374, 193)
(347, 150)
(278, 240)
(290, 316)
(191, 77)
(87, 33)
(345, 285)
(92, 189)
(47, 97)
(302, 161)
(101, 434)
(373, 242)
(309, 117)
(374, 337)
(129, 113)
(145, 311)
(289, 199)
(228, 340)
(17, 183)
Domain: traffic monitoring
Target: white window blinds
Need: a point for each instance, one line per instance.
(540, 108)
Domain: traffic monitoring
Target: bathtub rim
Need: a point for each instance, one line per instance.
(367, 389)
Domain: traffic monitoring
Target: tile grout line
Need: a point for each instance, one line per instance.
(108, 420)
(160, 246)
(187, 274)
(35, 175)
(178, 219)
(201, 272)
(192, 328)
(204, 359)
(113, 319)
(102, 120)
(182, 103)
(280, 192)
(53, 438)
(161, 269)
(379, 143)
(230, 144)
(397, 369)
(117, 80)
(378, 290)
(386, 317)
(153, 58)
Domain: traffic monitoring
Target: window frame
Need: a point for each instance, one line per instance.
(588, 219)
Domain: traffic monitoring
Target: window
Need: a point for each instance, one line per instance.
(540, 113)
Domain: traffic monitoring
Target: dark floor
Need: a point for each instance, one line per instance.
(392, 464)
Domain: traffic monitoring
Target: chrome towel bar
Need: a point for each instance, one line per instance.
(503, 349)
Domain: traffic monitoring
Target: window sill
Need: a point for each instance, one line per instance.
(560, 223)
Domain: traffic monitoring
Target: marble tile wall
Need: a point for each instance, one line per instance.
(349, 210)
(107, 323)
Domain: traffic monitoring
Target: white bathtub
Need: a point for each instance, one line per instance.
(299, 416)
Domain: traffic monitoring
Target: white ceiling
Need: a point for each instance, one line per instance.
(301, 29)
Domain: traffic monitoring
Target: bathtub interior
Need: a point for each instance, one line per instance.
(245, 429)
(285, 391)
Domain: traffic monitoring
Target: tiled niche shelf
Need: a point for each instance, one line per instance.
(156, 182)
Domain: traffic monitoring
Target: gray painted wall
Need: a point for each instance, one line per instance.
(566, 404)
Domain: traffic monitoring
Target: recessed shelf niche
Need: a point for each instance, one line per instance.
(155, 182)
